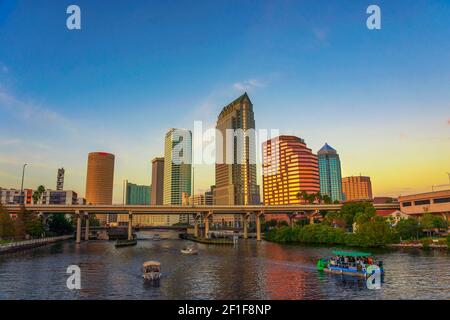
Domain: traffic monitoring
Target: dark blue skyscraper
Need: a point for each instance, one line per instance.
(330, 173)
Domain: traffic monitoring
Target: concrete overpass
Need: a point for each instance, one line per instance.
(199, 212)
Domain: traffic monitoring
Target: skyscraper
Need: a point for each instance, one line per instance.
(177, 165)
(330, 173)
(157, 197)
(100, 180)
(60, 179)
(357, 188)
(236, 155)
(289, 168)
(137, 194)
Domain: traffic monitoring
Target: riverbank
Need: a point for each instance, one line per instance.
(417, 245)
(29, 244)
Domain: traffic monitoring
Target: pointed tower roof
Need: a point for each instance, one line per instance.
(235, 102)
(242, 98)
(327, 149)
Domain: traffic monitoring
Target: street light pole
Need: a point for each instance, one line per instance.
(22, 198)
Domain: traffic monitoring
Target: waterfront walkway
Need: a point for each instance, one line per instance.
(27, 244)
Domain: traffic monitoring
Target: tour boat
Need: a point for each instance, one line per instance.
(125, 243)
(357, 264)
(151, 270)
(190, 249)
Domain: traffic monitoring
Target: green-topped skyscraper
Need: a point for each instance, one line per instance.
(330, 173)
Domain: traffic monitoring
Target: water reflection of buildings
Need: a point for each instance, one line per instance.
(288, 275)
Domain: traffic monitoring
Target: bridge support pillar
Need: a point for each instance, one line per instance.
(78, 217)
(291, 217)
(258, 227)
(86, 230)
(196, 226)
(246, 217)
(130, 226)
(207, 226)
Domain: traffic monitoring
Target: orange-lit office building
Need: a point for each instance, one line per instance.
(289, 167)
(100, 180)
(357, 188)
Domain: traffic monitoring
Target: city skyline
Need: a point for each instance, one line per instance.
(325, 73)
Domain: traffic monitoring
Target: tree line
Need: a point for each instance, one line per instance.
(356, 224)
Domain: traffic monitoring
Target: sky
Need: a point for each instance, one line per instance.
(381, 98)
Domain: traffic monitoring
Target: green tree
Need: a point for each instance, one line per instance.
(28, 223)
(94, 222)
(430, 221)
(19, 225)
(34, 227)
(374, 233)
(58, 224)
(326, 199)
(283, 223)
(367, 215)
(6, 224)
(335, 218)
(37, 195)
(350, 209)
(408, 229)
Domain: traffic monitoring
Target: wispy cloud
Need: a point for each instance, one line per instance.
(248, 85)
(10, 141)
(31, 111)
(448, 122)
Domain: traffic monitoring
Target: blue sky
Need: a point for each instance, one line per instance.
(137, 68)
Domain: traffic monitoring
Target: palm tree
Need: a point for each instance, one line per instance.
(37, 195)
(327, 199)
(319, 197)
(303, 196)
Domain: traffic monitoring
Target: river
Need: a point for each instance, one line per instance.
(249, 270)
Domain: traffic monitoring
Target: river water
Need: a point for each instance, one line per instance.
(249, 270)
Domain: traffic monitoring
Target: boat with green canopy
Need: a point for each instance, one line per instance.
(352, 263)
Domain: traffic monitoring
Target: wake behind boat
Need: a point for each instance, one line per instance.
(190, 249)
(358, 264)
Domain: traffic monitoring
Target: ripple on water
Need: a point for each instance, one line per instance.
(248, 271)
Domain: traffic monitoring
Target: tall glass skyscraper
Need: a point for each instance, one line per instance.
(236, 165)
(330, 173)
(177, 165)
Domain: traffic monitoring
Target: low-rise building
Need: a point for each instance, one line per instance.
(436, 202)
(13, 196)
(59, 197)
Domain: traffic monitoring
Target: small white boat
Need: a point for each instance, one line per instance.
(156, 237)
(190, 249)
(151, 270)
